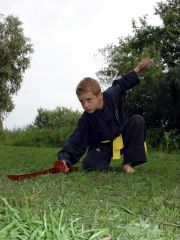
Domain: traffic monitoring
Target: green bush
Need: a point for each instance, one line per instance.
(154, 137)
(52, 119)
(170, 141)
(3, 136)
(51, 128)
(164, 140)
(35, 137)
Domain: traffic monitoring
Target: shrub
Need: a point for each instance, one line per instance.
(154, 137)
(51, 128)
(52, 119)
(170, 141)
(164, 140)
(3, 136)
(35, 137)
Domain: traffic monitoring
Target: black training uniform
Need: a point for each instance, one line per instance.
(106, 124)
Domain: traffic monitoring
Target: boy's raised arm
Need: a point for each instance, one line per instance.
(142, 65)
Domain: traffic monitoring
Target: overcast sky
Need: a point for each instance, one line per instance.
(66, 35)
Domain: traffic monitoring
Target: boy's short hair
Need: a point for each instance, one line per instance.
(88, 84)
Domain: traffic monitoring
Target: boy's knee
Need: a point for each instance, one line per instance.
(137, 120)
(87, 166)
(92, 166)
(97, 159)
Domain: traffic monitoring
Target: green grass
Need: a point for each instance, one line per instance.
(81, 205)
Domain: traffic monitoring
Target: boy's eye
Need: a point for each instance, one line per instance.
(86, 100)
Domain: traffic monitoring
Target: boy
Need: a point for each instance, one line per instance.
(102, 126)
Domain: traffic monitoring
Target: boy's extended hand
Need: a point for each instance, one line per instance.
(142, 65)
(65, 166)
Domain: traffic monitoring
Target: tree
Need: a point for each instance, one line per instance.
(162, 44)
(15, 50)
(168, 97)
(57, 118)
(169, 12)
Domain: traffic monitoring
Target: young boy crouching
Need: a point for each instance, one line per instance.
(103, 131)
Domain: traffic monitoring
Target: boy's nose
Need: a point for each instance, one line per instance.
(86, 106)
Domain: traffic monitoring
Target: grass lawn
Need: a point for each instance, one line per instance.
(78, 205)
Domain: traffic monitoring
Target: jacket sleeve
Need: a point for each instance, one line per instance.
(127, 81)
(121, 85)
(76, 144)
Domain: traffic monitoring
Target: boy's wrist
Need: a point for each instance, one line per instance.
(65, 165)
(66, 162)
(63, 160)
(143, 65)
(137, 70)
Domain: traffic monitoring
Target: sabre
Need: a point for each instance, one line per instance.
(58, 167)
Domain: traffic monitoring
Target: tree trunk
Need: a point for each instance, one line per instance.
(1, 124)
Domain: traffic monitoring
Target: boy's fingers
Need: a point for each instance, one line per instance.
(145, 63)
(66, 169)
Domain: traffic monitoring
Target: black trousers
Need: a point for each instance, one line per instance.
(134, 135)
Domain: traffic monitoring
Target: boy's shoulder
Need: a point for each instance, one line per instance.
(108, 94)
(86, 116)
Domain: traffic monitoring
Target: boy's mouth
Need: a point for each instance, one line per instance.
(89, 111)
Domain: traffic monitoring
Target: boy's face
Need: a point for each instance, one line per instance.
(91, 102)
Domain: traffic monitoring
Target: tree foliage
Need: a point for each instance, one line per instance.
(52, 119)
(15, 50)
(154, 97)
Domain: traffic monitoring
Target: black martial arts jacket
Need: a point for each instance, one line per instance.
(101, 125)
